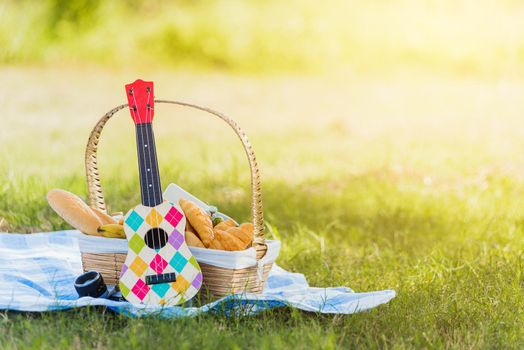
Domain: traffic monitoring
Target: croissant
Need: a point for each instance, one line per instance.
(200, 221)
(224, 225)
(244, 233)
(224, 236)
(225, 241)
(217, 243)
(234, 238)
(76, 213)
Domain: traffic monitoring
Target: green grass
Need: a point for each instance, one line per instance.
(412, 183)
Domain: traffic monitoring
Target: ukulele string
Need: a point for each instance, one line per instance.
(137, 112)
(140, 122)
(138, 143)
(149, 169)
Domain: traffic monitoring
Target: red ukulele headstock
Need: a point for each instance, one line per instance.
(141, 99)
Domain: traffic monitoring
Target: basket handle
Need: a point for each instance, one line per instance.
(96, 196)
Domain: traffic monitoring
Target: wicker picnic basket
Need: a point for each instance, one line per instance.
(218, 281)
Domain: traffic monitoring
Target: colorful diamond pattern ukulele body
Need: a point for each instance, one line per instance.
(159, 267)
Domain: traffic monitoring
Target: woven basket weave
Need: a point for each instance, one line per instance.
(218, 281)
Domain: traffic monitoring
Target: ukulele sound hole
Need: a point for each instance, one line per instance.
(156, 238)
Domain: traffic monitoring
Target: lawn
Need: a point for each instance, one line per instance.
(412, 182)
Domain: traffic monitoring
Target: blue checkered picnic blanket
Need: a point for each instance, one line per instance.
(37, 273)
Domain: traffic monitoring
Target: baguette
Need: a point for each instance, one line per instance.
(74, 211)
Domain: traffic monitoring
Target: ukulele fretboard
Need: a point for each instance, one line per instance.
(150, 186)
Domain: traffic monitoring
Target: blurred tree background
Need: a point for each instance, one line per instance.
(457, 37)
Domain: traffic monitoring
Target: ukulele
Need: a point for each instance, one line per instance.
(159, 267)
